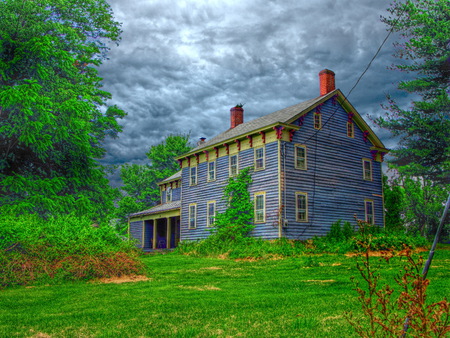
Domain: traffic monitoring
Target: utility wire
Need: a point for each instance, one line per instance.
(361, 76)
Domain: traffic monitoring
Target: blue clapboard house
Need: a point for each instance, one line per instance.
(313, 163)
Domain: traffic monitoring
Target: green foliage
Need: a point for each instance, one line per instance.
(53, 112)
(424, 128)
(231, 228)
(424, 206)
(61, 248)
(235, 222)
(140, 188)
(342, 239)
(394, 204)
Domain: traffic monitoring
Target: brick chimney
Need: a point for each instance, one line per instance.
(236, 116)
(326, 78)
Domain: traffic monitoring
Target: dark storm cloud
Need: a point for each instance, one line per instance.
(181, 65)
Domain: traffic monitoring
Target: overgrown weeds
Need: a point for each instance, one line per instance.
(342, 238)
(33, 250)
(387, 307)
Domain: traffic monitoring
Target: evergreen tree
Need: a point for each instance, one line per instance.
(53, 112)
(424, 128)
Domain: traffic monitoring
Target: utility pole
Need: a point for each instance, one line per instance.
(431, 254)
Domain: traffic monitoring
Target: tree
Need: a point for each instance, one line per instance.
(394, 203)
(424, 128)
(424, 203)
(53, 112)
(141, 190)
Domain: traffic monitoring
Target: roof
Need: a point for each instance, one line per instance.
(158, 209)
(285, 116)
(280, 116)
(174, 177)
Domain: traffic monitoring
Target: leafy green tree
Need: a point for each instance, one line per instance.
(53, 112)
(140, 187)
(394, 203)
(424, 128)
(424, 202)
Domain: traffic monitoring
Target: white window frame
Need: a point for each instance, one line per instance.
(369, 217)
(297, 210)
(231, 174)
(367, 173)
(192, 216)
(317, 121)
(261, 159)
(297, 146)
(192, 178)
(260, 214)
(210, 219)
(169, 194)
(213, 171)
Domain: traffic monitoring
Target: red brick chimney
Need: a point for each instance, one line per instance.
(326, 78)
(236, 116)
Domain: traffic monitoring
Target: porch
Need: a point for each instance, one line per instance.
(161, 233)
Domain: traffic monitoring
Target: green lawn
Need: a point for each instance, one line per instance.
(190, 297)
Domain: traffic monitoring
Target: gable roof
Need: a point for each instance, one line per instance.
(285, 116)
(174, 177)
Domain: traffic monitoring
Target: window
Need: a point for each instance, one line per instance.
(193, 176)
(367, 170)
(192, 216)
(317, 121)
(369, 213)
(301, 206)
(259, 158)
(300, 157)
(234, 165)
(168, 194)
(350, 129)
(211, 171)
(211, 213)
(260, 207)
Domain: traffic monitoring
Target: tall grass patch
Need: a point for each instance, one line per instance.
(33, 250)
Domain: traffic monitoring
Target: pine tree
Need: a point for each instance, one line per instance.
(423, 128)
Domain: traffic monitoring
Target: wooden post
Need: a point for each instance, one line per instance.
(168, 232)
(155, 224)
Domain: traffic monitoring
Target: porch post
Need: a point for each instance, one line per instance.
(169, 228)
(155, 224)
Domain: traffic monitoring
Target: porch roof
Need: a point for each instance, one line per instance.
(158, 209)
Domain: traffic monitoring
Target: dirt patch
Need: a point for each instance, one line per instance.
(212, 268)
(123, 279)
(201, 288)
(386, 253)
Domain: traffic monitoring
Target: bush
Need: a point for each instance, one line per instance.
(34, 250)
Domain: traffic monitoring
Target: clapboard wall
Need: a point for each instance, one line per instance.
(334, 176)
(265, 180)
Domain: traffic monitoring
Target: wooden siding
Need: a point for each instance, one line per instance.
(176, 195)
(136, 232)
(263, 180)
(334, 176)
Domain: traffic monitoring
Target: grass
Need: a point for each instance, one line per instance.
(202, 297)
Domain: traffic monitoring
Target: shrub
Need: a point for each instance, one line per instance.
(34, 250)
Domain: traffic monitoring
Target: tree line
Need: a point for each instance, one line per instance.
(54, 115)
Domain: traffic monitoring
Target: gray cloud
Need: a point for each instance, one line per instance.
(181, 65)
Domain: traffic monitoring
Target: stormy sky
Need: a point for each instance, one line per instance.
(181, 65)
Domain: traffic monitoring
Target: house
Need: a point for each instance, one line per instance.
(313, 163)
